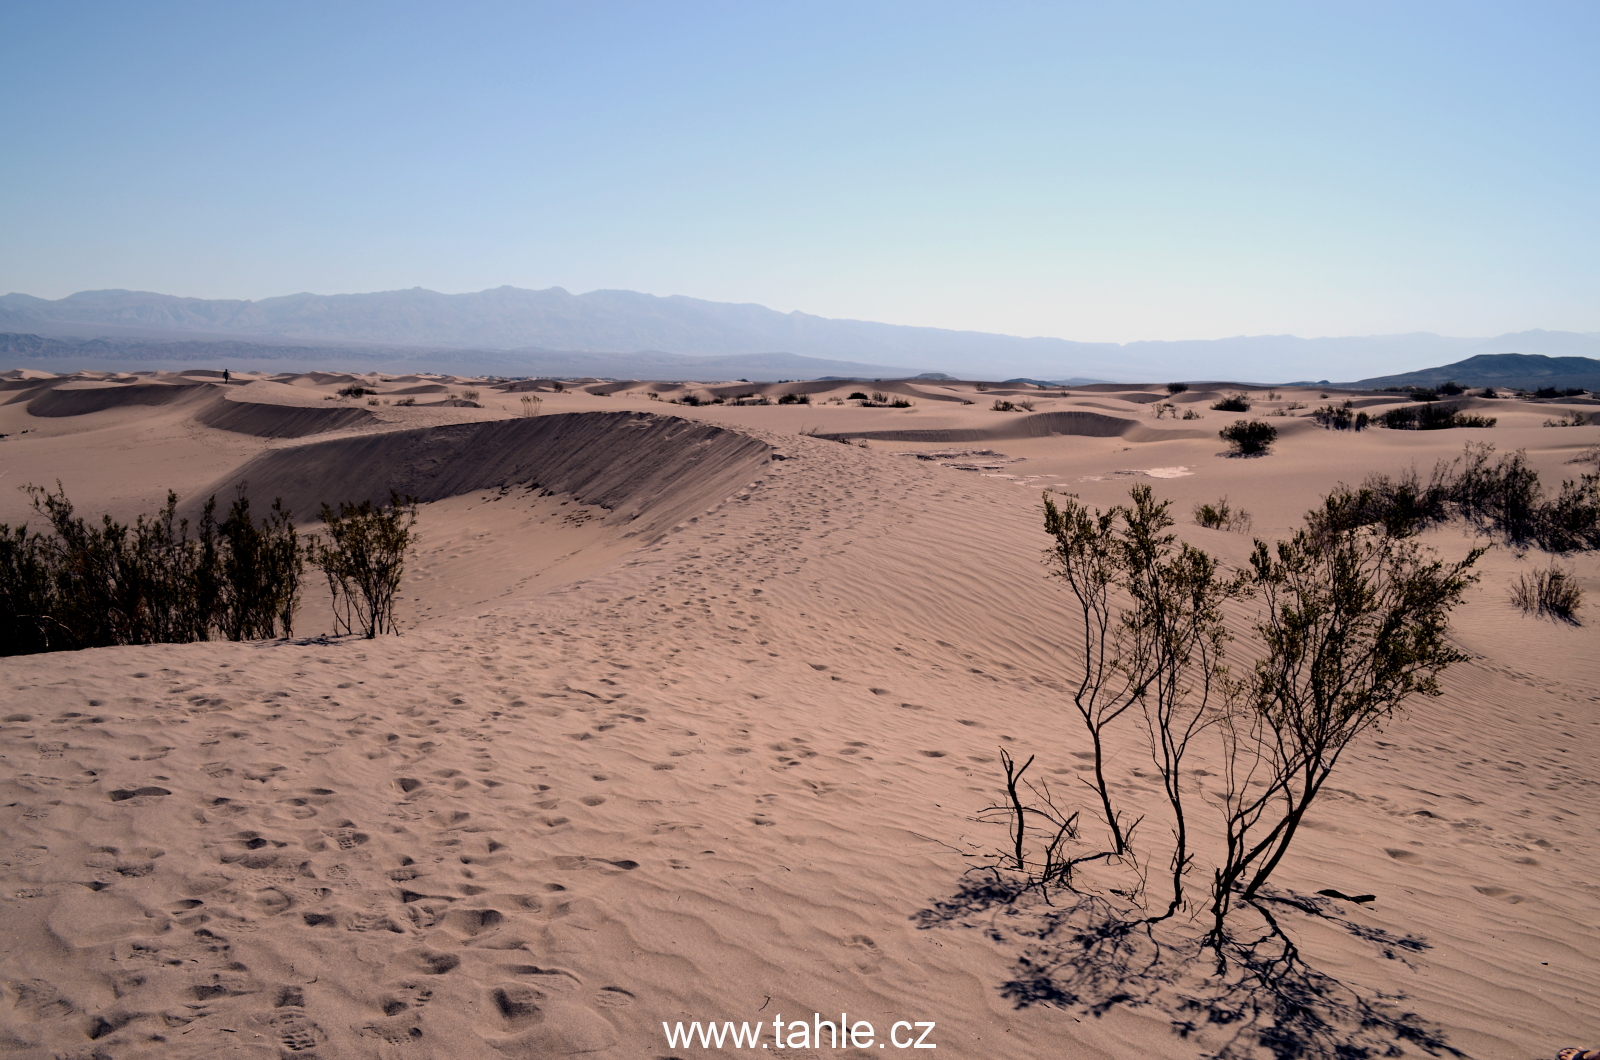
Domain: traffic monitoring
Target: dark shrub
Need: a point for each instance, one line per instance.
(1248, 437)
(1451, 388)
(1340, 419)
(795, 399)
(1430, 418)
(356, 391)
(1177, 388)
(363, 560)
(1233, 403)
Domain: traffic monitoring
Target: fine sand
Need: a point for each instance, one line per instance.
(691, 718)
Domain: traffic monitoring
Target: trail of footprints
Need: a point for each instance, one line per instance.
(198, 950)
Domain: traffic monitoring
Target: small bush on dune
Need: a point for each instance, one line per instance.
(356, 391)
(406, 402)
(1233, 403)
(363, 560)
(1001, 405)
(1249, 437)
(1552, 591)
(1573, 418)
(795, 399)
(1177, 388)
(1451, 388)
(1221, 516)
(1344, 418)
(1430, 418)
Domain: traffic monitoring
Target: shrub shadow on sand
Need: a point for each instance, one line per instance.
(1254, 995)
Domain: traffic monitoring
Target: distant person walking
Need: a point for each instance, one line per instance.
(225, 376)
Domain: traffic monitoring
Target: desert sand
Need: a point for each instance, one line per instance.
(691, 719)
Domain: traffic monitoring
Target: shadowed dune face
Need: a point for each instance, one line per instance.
(1037, 425)
(280, 421)
(62, 401)
(648, 471)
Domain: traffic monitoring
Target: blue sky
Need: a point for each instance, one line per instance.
(1091, 171)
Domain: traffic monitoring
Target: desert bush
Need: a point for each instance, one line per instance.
(1430, 418)
(857, 395)
(406, 401)
(1025, 406)
(1350, 625)
(355, 391)
(1551, 591)
(363, 559)
(795, 399)
(261, 567)
(1500, 496)
(1558, 392)
(555, 384)
(1222, 516)
(1590, 455)
(1177, 388)
(531, 403)
(372, 401)
(1422, 393)
(879, 398)
(1190, 414)
(1451, 388)
(1249, 437)
(900, 403)
(1001, 405)
(1161, 409)
(1233, 403)
(980, 387)
(1573, 418)
(1340, 419)
(28, 621)
(89, 585)
(1353, 625)
(1161, 652)
(470, 395)
(1490, 392)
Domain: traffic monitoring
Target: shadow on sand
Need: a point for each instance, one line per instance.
(1249, 996)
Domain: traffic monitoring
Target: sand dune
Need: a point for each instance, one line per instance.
(697, 729)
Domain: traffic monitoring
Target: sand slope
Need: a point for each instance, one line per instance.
(720, 769)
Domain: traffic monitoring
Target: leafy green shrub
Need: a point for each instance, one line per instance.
(1233, 403)
(1249, 437)
(363, 560)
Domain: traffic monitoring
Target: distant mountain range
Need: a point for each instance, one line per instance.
(1500, 369)
(524, 324)
(132, 352)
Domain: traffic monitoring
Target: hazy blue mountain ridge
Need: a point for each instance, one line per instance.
(510, 318)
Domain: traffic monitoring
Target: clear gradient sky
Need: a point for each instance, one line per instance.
(1092, 171)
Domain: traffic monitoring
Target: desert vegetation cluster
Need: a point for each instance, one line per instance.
(94, 584)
